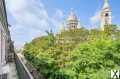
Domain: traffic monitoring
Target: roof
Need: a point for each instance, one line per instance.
(106, 4)
(72, 16)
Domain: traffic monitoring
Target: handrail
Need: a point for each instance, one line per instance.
(22, 70)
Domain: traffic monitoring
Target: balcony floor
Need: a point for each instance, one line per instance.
(12, 71)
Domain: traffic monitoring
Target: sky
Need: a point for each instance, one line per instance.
(31, 18)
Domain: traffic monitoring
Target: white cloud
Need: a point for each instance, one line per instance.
(57, 19)
(96, 18)
(29, 20)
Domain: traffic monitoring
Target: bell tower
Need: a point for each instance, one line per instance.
(106, 15)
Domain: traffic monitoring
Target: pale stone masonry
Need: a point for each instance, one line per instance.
(7, 68)
(106, 15)
(72, 21)
(3, 34)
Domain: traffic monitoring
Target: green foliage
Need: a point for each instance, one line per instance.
(92, 54)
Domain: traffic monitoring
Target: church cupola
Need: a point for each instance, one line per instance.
(106, 15)
(72, 21)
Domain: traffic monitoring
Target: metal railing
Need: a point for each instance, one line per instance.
(22, 70)
(3, 76)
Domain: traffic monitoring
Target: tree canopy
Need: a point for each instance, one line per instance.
(76, 54)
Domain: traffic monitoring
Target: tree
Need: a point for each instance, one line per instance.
(92, 53)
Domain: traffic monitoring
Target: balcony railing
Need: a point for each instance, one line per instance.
(22, 70)
(3, 76)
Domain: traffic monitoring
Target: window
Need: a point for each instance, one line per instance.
(106, 14)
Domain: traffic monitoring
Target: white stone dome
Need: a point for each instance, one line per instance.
(72, 16)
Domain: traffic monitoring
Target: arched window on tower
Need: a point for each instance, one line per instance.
(106, 15)
(106, 19)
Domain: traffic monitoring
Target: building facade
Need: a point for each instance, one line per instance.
(3, 33)
(5, 39)
(106, 15)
